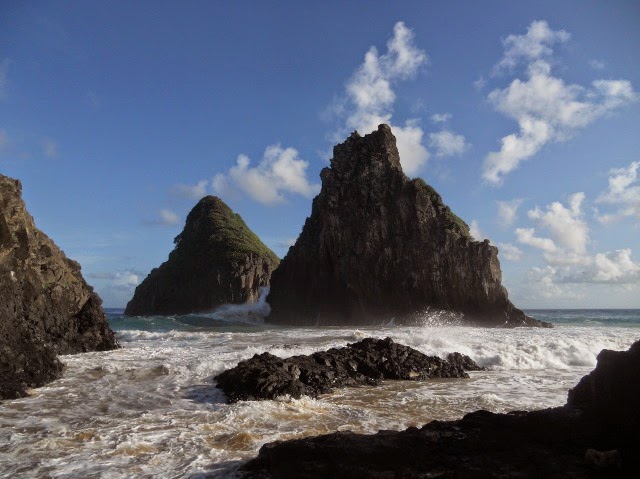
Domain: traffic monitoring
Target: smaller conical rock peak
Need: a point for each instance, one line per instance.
(217, 259)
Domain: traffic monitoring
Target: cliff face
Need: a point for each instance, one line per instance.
(217, 260)
(46, 307)
(379, 246)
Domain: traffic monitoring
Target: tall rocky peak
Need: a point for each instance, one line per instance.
(217, 259)
(46, 307)
(379, 246)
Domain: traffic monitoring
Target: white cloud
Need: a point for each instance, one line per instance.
(565, 252)
(194, 192)
(611, 267)
(413, 154)
(441, 117)
(597, 64)
(169, 218)
(543, 282)
(475, 231)
(447, 143)
(279, 172)
(508, 212)
(544, 106)
(535, 44)
(371, 96)
(527, 236)
(480, 83)
(566, 226)
(623, 192)
(510, 252)
(126, 279)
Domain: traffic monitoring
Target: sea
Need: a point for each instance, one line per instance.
(151, 408)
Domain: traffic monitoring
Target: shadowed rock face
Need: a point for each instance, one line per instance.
(217, 260)
(46, 307)
(367, 362)
(611, 392)
(593, 436)
(379, 246)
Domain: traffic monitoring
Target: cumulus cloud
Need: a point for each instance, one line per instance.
(165, 218)
(193, 192)
(121, 279)
(441, 117)
(370, 95)
(566, 249)
(535, 44)
(566, 226)
(527, 236)
(623, 192)
(280, 171)
(545, 107)
(543, 281)
(169, 218)
(447, 143)
(508, 212)
(615, 267)
(510, 252)
(475, 231)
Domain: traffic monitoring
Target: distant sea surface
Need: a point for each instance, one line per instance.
(151, 409)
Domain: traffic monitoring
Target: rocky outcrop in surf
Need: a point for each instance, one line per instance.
(379, 246)
(46, 307)
(217, 260)
(593, 436)
(367, 362)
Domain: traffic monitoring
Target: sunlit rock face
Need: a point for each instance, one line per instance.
(217, 259)
(46, 307)
(379, 245)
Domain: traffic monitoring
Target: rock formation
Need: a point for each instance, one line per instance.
(367, 362)
(570, 441)
(46, 307)
(379, 246)
(217, 259)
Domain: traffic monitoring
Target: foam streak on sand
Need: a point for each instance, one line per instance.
(150, 409)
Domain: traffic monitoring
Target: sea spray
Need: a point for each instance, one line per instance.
(152, 408)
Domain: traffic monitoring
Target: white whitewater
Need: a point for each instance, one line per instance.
(151, 409)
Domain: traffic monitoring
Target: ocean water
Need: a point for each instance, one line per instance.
(151, 409)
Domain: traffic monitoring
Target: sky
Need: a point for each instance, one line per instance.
(525, 116)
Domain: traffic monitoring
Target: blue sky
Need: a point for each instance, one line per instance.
(118, 116)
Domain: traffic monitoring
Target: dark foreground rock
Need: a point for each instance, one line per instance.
(367, 362)
(575, 440)
(46, 307)
(217, 260)
(379, 246)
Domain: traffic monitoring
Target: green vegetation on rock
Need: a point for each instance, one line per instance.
(452, 221)
(217, 259)
(221, 229)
